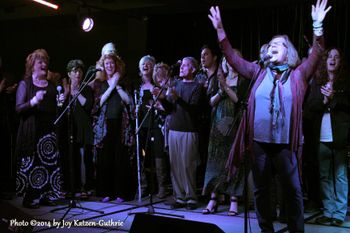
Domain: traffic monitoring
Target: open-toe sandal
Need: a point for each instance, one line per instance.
(214, 208)
(233, 212)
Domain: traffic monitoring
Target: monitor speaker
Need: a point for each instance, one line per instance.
(146, 223)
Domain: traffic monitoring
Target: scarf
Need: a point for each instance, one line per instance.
(279, 68)
(276, 95)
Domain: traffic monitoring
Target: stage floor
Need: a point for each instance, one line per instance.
(116, 217)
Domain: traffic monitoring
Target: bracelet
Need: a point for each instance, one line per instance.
(119, 88)
(318, 31)
(317, 24)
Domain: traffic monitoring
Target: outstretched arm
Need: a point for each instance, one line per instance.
(243, 67)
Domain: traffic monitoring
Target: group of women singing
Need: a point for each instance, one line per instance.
(268, 128)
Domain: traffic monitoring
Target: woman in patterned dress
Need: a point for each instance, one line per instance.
(225, 105)
(38, 173)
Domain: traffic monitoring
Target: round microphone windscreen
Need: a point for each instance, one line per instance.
(59, 88)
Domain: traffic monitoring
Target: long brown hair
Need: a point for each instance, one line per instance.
(322, 73)
(119, 65)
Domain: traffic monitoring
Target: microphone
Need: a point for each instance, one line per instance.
(95, 69)
(175, 65)
(136, 99)
(265, 58)
(59, 89)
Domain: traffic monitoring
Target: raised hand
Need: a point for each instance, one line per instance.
(215, 17)
(318, 12)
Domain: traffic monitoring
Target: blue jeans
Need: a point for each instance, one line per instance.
(334, 180)
(279, 158)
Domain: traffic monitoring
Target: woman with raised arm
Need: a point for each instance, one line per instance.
(271, 130)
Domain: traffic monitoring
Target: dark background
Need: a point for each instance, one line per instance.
(168, 30)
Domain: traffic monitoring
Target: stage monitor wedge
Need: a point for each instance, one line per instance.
(146, 223)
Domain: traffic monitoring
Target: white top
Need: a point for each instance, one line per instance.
(326, 134)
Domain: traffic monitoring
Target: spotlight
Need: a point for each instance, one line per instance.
(87, 24)
(46, 3)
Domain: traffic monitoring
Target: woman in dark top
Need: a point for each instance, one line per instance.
(329, 106)
(161, 78)
(82, 128)
(113, 161)
(38, 174)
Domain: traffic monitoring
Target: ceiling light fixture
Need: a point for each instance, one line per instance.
(46, 3)
(88, 24)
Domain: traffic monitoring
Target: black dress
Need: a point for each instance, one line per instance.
(37, 151)
(113, 161)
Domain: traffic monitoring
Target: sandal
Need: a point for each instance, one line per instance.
(233, 212)
(214, 208)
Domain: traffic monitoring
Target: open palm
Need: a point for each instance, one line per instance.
(215, 17)
(318, 12)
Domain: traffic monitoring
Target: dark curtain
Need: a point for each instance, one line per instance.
(171, 37)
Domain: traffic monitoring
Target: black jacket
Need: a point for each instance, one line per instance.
(339, 108)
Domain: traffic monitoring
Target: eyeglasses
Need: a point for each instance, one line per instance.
(76, 70)
(276, 44)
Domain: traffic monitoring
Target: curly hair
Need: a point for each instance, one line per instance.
(322, 74)
(119, 63)
(30, 60)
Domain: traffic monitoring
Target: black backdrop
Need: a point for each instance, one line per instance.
(173, 36)
(167, 36)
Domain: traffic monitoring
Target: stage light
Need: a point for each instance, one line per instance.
(46, 3)
(87, 24)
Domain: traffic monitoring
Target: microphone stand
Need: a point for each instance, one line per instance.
(244, 113)
(137, 147)
(68, 110)
(149, 113)
(244, 110)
